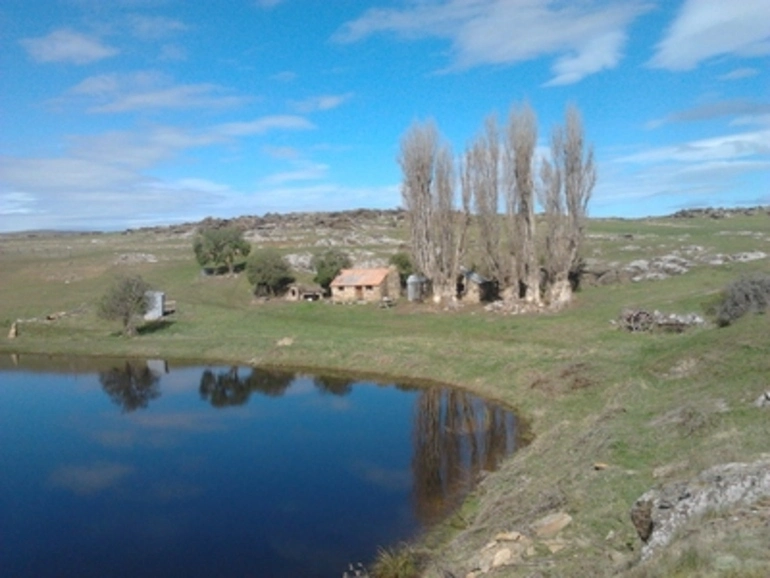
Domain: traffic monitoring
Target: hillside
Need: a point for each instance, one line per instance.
(610, 413)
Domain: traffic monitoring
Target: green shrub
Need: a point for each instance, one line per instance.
(220, 247)
(269, 272)
(395, 563)
(403, 262)
(125, 300)
(328, 265)
(749, 294)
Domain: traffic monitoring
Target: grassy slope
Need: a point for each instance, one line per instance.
(590, 392)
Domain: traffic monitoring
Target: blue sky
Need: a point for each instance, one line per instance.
(139, 112)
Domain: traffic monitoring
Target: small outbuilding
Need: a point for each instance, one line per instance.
(417, 287)
(474, 288)
(297, 292)
(365, 285)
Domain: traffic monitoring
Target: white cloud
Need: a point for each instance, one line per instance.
(743, 109)
(285, 76)
(326, 197)
(282, 153)
(155, 27)
(106, 180)
(15, 203)
(707, 28)
(304, 171)
(724, 170)
(146, 90)
(739, 73)
(66, 45)
(721, 148)
(172, 53)
(323, 102)
(262, 125)
(585, 37)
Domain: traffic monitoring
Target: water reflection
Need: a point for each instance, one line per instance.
(228, 388)
(333, 467)
(333, 385)
(456, 436)
(131, 386)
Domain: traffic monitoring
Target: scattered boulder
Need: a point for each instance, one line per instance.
(551, 525)
(14, 332)
(763, 400)
(660, 513)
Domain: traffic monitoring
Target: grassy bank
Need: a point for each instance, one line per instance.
(653, 407)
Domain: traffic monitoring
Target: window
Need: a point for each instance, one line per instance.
(369, 288)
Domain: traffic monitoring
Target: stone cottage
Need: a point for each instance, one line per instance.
(367, 285)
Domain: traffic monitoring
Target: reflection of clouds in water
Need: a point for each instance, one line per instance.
(173, 490)
(386, 478)
(301, 386)
(113, 438)
(89, 479)
(197, 422)
(334, 403)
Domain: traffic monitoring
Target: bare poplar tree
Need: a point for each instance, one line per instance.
(482, 178)
(567, 183)
(437, 232)
(520, 199)
(417, 160)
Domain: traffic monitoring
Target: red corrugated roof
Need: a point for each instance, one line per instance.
(358, 277)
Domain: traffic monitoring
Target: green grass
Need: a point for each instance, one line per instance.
(589, 391)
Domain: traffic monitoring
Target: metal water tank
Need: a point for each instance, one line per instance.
(415, 287)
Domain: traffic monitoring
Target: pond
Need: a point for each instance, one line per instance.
(128, 468)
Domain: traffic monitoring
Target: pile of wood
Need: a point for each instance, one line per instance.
(643, 320)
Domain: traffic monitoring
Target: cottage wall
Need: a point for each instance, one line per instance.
(353, 293)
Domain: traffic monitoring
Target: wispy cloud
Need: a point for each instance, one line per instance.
(102, 178)
(262, 125)
(704, 29)
(155, 27)
(304, 171)
(285, 76)
(690, 173)
(585, 37)
(65, 45)
(147, 90)
(724, 108)
(739, 73)
(720, 148)
(322, 102)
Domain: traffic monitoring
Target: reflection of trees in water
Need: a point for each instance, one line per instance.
(333, 385)
(228, 388)
(132, 386)
(456, 436)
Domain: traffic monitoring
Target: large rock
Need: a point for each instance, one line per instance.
(659, 513)
(551, 524)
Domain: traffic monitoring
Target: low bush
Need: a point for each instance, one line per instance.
(395, 563)
(749, 294)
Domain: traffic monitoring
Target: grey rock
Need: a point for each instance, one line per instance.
(673, 505)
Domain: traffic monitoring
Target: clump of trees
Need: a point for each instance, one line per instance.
(501, 183)
(268, 272)
(327, 266)
(220, 247)
(125, 300)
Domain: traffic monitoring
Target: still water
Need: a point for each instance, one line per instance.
(139, 468)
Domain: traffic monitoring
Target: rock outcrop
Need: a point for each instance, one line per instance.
(659, 513)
